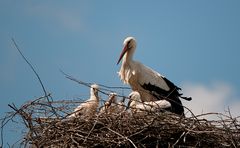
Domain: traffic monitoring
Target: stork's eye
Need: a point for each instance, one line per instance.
(128, 44)
(95, 90)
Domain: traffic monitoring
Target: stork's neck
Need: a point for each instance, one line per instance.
(125, 70)
(128, 57)
(93, 95)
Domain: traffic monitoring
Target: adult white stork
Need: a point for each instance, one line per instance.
(150, 84)
(137, 105)
(88, 108)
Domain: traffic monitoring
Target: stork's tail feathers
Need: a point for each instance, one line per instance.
(186, 98)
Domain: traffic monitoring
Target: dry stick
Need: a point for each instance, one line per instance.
(178, 139)
(26, 118)
(89, 84)
(23, 115)
(25, 59)
(2, 123)
(11, 116)
(101, 85)
(90, 130)
(75, 80)
(38, 77)
(5, 120)
(234, 120)
(114, 87)
(227, 130)
(123, 137)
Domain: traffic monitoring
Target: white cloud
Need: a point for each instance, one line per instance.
(216, 97)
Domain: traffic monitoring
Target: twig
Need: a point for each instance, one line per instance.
(31, 66)
(38, 77)
(4, 122)
(123, 137)
(178, 139)
(101, 90)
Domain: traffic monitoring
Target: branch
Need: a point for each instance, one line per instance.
(122, 137)
(31, 66)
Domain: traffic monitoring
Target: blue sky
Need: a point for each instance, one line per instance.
(195, 44)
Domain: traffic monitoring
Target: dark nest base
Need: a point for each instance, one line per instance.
(142, 130)
(47, 128)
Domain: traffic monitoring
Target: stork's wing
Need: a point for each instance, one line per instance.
(154, 105)
(147, 76)
(163, 104)
(76, 111)
(79, 108)
(155, 83)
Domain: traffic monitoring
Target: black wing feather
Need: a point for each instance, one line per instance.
(172, 95)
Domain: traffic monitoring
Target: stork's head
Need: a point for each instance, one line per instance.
(94, 90)
(112, 99)
(129, 45)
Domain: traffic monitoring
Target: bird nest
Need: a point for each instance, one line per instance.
(48, 127)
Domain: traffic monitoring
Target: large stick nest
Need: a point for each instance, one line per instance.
(47, 127)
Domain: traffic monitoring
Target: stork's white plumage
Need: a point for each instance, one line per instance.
(89, 107)
(150, 84)
(112, 106)
(137, 105)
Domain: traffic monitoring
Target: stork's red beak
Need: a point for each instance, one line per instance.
(125, 49)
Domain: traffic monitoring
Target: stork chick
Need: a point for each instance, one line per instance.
(112, 106)
(108, 103)
(137, 105)
(89, 107)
